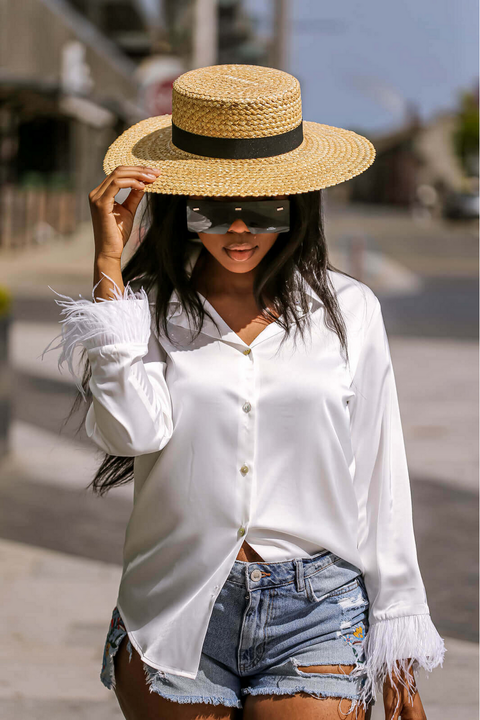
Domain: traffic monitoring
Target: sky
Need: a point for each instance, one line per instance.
(360, 62)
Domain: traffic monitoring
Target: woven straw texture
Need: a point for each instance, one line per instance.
(247, 101)
(240, 101)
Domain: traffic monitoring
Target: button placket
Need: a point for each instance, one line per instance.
(246, 438)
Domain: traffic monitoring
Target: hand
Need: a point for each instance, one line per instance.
(113, 221)
(395, 695)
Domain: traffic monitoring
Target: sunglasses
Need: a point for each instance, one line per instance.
(260, 216)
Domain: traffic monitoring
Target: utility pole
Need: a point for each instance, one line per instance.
(205, 33)
(281, 35)
(153, 14)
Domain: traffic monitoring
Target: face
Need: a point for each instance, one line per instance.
(238, 250)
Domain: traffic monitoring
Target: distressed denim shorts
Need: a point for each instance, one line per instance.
(269, 620)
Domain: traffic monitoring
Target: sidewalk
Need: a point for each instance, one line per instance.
(56, 609)
(66, 265)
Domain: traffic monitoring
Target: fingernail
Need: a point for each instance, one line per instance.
(151, 176)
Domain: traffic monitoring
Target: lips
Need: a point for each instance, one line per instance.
(240, 253)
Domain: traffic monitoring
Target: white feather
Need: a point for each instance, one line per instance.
(99, 322)
(388, 645)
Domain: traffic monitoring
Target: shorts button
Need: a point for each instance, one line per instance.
(255, 575)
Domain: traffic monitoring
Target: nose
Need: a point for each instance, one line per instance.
(238, 226)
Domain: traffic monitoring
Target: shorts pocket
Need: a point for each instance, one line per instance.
(345, 588)
(317, 591)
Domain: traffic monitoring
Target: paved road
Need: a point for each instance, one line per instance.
(445, 308)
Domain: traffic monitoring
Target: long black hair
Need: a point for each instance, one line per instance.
(159, 264)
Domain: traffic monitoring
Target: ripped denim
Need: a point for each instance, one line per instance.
(269, 621)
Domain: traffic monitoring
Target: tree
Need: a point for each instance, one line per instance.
(466, 135)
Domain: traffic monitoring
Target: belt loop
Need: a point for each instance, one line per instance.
(299, 574)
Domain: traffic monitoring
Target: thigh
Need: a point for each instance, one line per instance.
(301, 707)
(138, 702)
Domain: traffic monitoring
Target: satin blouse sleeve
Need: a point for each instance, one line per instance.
(400, 626)
(130, 413)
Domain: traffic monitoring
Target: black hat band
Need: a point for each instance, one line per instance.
(237, 148)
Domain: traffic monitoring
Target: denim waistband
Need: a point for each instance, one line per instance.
(266, 574)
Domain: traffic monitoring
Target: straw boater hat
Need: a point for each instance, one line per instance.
(237, 130)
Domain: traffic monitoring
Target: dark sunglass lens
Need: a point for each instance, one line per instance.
(216, 217)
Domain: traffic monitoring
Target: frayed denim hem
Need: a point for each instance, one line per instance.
(107, 677)
(355, 703)
(151, 676)
(198, 699)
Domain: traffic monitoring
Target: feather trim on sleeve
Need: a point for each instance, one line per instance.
(93, 323)
(396, 648)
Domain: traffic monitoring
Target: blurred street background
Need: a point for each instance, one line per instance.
(74, 74)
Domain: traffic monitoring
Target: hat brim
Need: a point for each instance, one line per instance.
(327, 156)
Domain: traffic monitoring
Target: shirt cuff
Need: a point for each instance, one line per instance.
(102, 323)
(395, 648)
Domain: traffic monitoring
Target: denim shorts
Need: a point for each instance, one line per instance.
(269, 620)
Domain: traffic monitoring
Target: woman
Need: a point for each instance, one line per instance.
(247, 387)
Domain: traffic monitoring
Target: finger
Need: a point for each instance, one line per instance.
(113, 179)
(110, 192)
(134, 172)
(133, 200)
(142, 168)
(415, 711)
(117, 181)
(145, 174)
(393, 703)
(403, 707)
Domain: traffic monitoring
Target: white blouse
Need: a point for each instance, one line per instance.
(289, 448)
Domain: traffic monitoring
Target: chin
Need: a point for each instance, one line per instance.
(239, 267)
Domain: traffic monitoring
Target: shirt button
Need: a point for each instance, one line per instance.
(246, 407)
(247, 351)
(241, 531)
(256, 575)
(244, 469)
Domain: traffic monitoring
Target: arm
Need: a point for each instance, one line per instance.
(131, 410)
(401, 630)
(107, 272)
